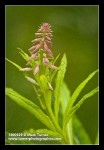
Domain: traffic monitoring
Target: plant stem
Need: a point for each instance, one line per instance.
(55, 123)
(41, 61)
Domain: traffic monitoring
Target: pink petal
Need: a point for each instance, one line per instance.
(34, 55)
(38, 46)
(46, 63)
(49, 34)
(36, 69)
(47, 50)
(53, 67)
(35, 47)
(49, 42)
(48, 38)
(42, 39)
(32, 48)
(45, 59)
(35, 40)
(44, 28)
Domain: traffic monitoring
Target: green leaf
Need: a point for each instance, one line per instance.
(30, 106)
(59, 82)
(65, 96)
(47, 97)
(40, 98)
(56, 59)
(97, 139)
(54, 72)
(45, 90)
(80, 134)
(64, 99)
(77, 92)
(70, 131)
(17, 66)
(74, 109)
(91, 93)
(23, 54)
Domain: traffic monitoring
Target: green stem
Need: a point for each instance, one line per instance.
(42, 103)
(41, 61)
(70, 131)
(47, 99)
(55, 123)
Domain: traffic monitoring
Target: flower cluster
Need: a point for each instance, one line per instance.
(44, 35)
(40, 49)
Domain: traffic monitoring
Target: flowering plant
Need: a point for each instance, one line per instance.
(42, 63)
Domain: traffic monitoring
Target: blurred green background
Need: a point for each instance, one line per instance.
(75, 32)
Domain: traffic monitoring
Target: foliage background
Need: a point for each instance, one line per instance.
(75, 32)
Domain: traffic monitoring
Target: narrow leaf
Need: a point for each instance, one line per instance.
(65, 96)
(45, 90)
(23, 54)
(70, 131)
(53, 74)
(56, 59)
(77, 92)
(30, 106)
(40, 98)
(59, 82)
(80, 134)
(17, 66)
(74, 109)
(64, 99)
(97, 139)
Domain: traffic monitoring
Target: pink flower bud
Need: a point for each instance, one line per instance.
(48, 42)
(36, 69)
(33, 55)
(35, 40)
(49, 34)
(47, 50)
(45, 59)
(48, 38)
(35, 47)
(32, 48)
(53, 67)
(42, 40)
(38, 46)
(45, 27)
(46, 63)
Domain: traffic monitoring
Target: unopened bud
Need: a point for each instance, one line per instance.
(31, 80)
(25, 69)
(50, 86)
